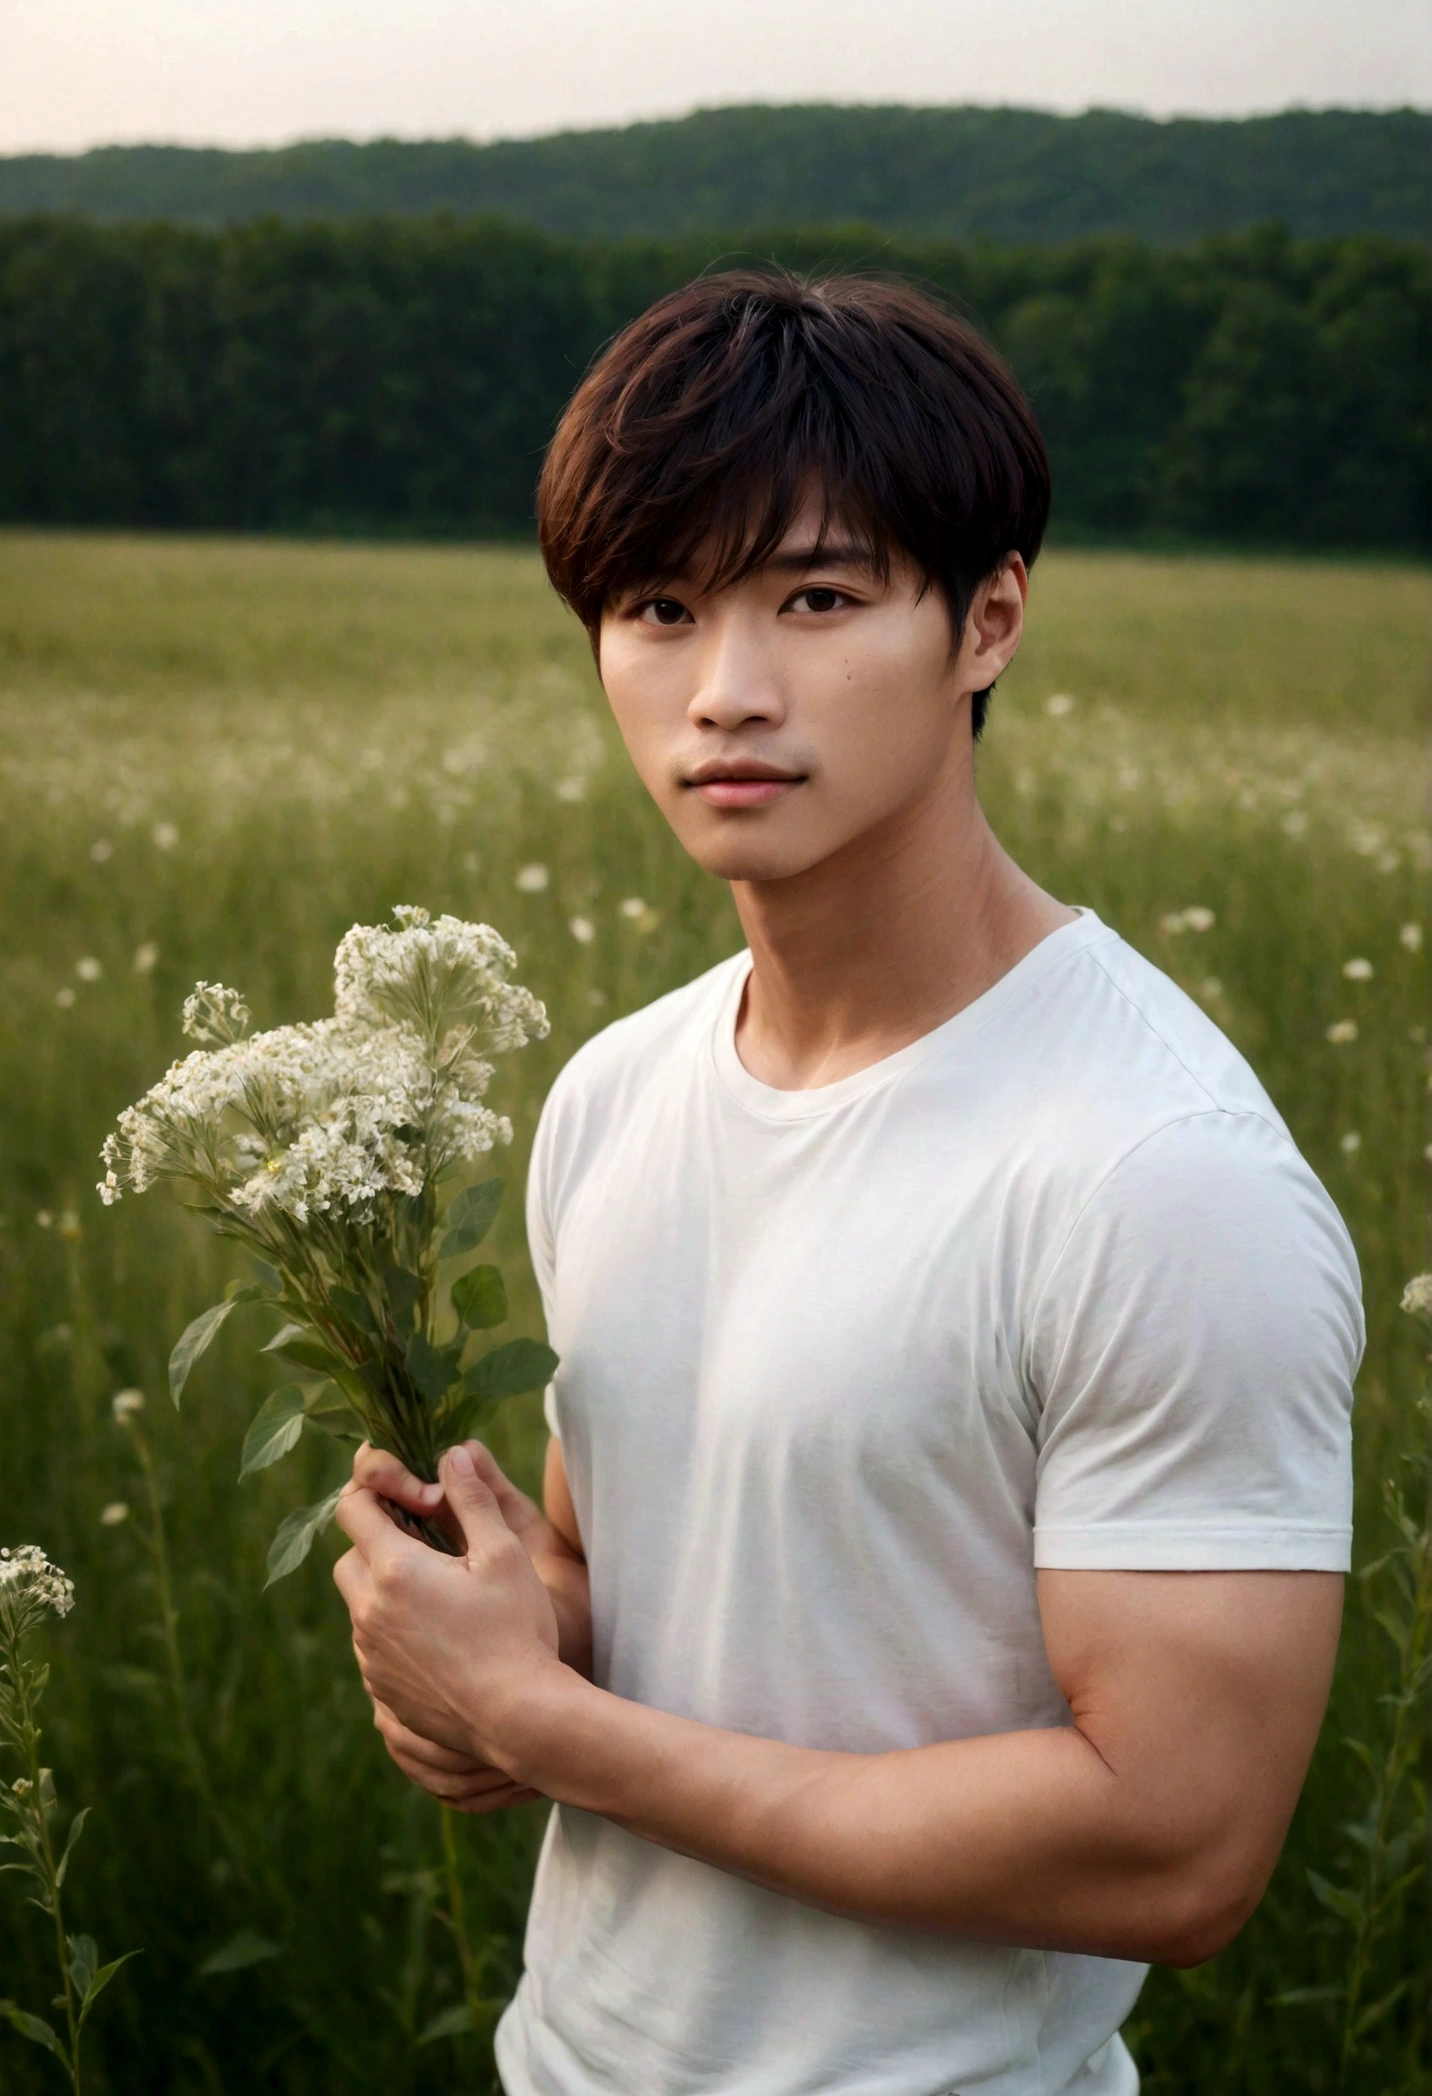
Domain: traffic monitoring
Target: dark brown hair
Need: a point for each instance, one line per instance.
(702, 427)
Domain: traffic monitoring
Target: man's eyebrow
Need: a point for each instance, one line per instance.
(821, 553)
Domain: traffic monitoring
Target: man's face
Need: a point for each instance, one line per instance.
(778, 721)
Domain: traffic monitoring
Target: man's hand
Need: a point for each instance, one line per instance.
(555, 1553)
(453, 1647)
(453, 1779)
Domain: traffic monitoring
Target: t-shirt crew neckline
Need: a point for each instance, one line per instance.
(773, 1104)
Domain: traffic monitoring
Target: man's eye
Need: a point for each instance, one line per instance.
(663, 611)
(819, 599)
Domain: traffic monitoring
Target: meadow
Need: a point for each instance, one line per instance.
(217, 755)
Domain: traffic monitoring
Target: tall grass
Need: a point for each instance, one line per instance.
(214, 757)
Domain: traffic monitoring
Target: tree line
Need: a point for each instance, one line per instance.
(1011, 176)
(404, 375)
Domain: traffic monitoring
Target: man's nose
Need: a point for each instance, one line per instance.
(738, 682)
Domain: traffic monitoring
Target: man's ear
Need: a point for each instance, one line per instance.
(995, 624)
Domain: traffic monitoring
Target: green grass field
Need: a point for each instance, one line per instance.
(216, 756)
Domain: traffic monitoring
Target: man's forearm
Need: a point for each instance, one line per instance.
(1027, 1838)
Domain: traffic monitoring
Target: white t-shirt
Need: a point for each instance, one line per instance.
(839, 1368)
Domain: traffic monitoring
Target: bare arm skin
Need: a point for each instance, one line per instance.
(1146, 1829)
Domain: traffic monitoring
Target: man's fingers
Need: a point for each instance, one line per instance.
(367, 1527)
(514, 1505)
(376, 1470)
(470, 1498)
(399, 1739)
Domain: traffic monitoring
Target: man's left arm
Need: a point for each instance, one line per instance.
(1145, 1829)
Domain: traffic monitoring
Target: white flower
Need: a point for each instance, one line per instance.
(65, 998)
(89, 969)
(571, 789)
(212, 1013)
(111, 1516)
(1358, 970)
(101, 850)
(334, 1117)
(30, 1584)
(1417, 1295)
(533, 879)
(164, 835)
(1211, 986)
(1197, 918)
(145, 958)
(1410, 936)
(1350, 1143)
(1341, 1031)
(1058, 704)
(582, 929)
(125, 1403)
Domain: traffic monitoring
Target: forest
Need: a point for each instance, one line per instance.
(1010, 176)
(388, 376)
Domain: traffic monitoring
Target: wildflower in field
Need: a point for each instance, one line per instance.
(125, 1403)
(1342, 1031)
(45, 1217)
(571, 789)
(1350, 1143)
(65, 997)
(112, 1515)
(30, 1586)
(164, 836)
(321, 1147)
(89, 969)
(1358, 970)
(1410, 936)
(533, 879)
(146, 957)
(582, 929)
(1417, 1296)
(1211, 986)
(101, 851)
(1058, 704)
(1197, 918)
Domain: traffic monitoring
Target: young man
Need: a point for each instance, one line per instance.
(938, 1588)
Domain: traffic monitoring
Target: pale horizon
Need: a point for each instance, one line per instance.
(257, 74)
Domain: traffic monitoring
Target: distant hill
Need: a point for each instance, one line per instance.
(1010, 176)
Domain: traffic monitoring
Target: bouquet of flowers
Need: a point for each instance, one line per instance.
(323, 1149)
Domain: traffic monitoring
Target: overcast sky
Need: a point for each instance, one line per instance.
(82, 72)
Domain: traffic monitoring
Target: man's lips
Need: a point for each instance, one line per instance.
(739, 785)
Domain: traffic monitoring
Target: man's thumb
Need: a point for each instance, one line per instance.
(468, 1497)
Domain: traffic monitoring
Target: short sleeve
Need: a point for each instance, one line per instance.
(1191, 1356)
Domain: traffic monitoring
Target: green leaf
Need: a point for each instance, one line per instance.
(302, 1345)
(1344, 1904)
(354, 1307)
(403, 1292)
(31, 2027)
(100, 1981)
(198, 1337)
(1372, 2016)
(84, 1961)
(77, 1826)
(272, 1283)
(452, 2023)
(523, 1364)
(432, 1368)
(246, 1948)
(276, 1428)
(326, 1407)
(1301, 1997)
(469, 1217)
(480, 1299)
(297, 1534)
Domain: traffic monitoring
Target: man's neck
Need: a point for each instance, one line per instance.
(878, 945)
